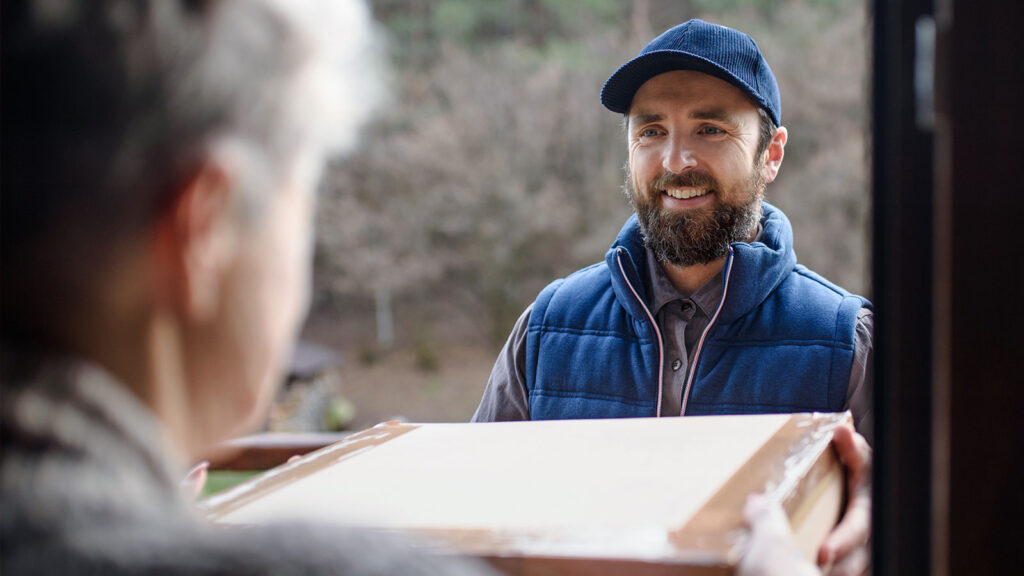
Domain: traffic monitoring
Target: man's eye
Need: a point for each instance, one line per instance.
(648, 133)
(711, 130)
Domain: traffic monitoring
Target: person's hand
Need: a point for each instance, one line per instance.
(847, 549)
(195, 480)
(771, 550)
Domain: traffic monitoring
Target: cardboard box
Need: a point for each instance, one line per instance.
(637, 496)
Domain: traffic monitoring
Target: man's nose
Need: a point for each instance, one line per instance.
(678, 157)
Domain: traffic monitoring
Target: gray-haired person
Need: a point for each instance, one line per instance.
(159, 165)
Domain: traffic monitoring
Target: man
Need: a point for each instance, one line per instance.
(159, 164)
(699, 306)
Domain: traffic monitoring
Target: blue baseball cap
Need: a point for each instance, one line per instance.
(698, 45)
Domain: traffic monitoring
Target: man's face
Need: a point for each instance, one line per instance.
(693, 177)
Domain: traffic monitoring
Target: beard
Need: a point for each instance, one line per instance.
(699, 236)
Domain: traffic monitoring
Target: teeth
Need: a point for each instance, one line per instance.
(686, 193)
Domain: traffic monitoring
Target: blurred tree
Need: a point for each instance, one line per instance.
(495, 169)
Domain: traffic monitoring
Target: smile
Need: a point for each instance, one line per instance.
(686, 193)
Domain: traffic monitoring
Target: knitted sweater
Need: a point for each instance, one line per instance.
(88, 487)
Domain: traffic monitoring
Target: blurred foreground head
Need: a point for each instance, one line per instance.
(159, 166)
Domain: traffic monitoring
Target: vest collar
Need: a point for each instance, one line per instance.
(757, 267)
(625, 261)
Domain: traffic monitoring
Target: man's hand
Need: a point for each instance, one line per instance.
(772, 550)
(847, 548)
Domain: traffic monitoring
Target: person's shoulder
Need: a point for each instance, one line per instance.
(585, 298)
(591, 277)
(810, 280)
(183, 548)
(596, 271)
(322, 549)
(814, 305)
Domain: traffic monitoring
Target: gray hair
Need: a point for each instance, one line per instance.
(109, 105)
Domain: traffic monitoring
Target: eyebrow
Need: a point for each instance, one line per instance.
(637, 119)
(714, 114)
(708, 114)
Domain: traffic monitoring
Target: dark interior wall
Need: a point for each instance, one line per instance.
(902, 275)
(980, 176)
(948, 201)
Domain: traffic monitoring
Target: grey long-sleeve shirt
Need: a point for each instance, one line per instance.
(681, 319)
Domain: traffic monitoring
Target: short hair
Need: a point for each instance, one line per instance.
(108, 105)
(767, 126)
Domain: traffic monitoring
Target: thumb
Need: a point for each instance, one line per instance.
(194, 481)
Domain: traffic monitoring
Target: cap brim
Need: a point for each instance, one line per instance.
(618, 91)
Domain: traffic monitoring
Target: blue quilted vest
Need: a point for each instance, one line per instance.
(782, 340)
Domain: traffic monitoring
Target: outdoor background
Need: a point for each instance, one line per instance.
(494, 169)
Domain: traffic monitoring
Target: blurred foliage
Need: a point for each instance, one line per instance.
(474, 23)
(495, 169)
(767, 8)
(220, 480)
(340, 413)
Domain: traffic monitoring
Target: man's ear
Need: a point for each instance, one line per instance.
(197, 243)
(774, 154)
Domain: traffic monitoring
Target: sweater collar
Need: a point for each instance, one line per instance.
(73, 405)
(757, 268)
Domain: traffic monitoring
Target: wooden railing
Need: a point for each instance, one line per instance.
(267, 450)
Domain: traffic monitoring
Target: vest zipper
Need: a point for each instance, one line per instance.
(657, 331)
(704, 334)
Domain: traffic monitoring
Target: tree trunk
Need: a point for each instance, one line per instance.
(385, 319)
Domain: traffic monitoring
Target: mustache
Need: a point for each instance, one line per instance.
(688, 179)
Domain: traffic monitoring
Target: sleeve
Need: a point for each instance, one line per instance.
(859, 393)
(325, 550)
(505, 397)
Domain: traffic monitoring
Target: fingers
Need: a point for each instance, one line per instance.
(855, 564)
(848, 542)
(853, 450)
(771, 550)
(194, 481)
(766, 517)
(852, 534)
